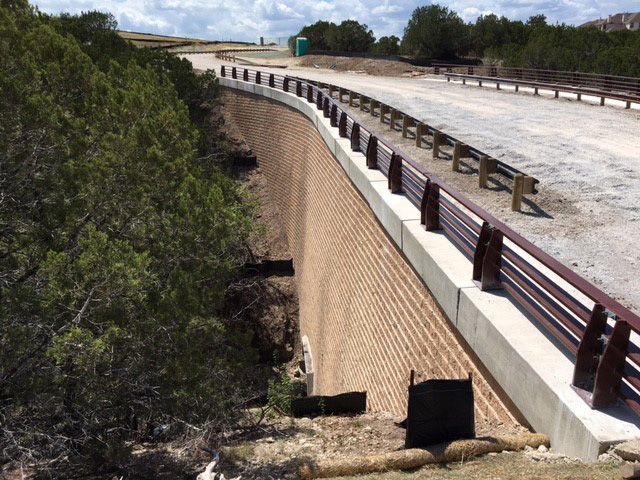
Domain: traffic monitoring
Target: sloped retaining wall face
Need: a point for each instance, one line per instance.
(368, 316)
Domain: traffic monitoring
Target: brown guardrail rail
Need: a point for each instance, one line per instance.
(626, 89)
(607, 358)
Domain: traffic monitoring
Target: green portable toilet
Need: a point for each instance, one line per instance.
(302, 46)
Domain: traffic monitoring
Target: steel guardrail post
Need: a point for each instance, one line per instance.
(488, 258)
(372, 152)
(355, 137)
(394, 174)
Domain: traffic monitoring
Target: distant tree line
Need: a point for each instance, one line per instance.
(436, 32)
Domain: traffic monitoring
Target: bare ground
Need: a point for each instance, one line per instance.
(278, 452)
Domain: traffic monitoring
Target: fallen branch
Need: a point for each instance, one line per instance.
(415, 458)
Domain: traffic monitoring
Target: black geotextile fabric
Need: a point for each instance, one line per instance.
(352, 402)
(439, 411)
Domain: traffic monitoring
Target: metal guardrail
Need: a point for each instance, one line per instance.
(523, 184)
(604, 86)
(593, 327)
(224, 54)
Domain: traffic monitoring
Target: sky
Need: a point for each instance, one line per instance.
(248, 20)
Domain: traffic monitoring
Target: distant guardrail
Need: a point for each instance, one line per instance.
(625, 89)
(593, 327)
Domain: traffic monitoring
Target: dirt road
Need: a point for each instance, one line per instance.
(586, 157)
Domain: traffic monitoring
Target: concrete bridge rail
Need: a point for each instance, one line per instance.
(532, 367)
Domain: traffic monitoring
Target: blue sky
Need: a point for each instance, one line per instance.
(247, 20)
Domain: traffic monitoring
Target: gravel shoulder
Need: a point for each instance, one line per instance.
(586, 157)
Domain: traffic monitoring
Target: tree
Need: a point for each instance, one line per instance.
(316, 34)
(434, 32)
(350, 36)
(118, 240)
(387, 45)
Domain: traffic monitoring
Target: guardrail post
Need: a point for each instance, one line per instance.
(405, 125)
(430, 206)
(392, 119)
(487, 258)
(272, 80)
(436, 144)
(394, 175)
(590, 348)
(351, 97)
(609, 373)
(326, 107)
(331, 90)
(234, 73)
(361, 101)
(487, 165)
(518, 190)
(372, 106)
(372, 152)
(342, 125)
(355, 137)
(460, 150)
(383, 111)
(340, 93)
(602, 101)
(319, 97)
(419, 128)
(333, 116)
(258, 78)
(285, 84)
(309, 93)
(245, 75)
(223, 71)
(298, 88)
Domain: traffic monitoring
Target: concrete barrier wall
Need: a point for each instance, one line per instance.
(368, 317)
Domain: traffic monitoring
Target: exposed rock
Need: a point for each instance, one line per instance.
(629, 451)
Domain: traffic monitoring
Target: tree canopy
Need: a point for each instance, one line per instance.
(349, 36)
(434, 32)
(119, 234)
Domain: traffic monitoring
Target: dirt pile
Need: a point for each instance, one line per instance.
(384, 68)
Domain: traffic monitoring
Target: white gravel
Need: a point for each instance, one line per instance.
(586, 157)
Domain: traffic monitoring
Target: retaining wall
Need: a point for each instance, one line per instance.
(368, 316)
(379, 295)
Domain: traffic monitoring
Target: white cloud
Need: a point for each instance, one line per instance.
(249, 19)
